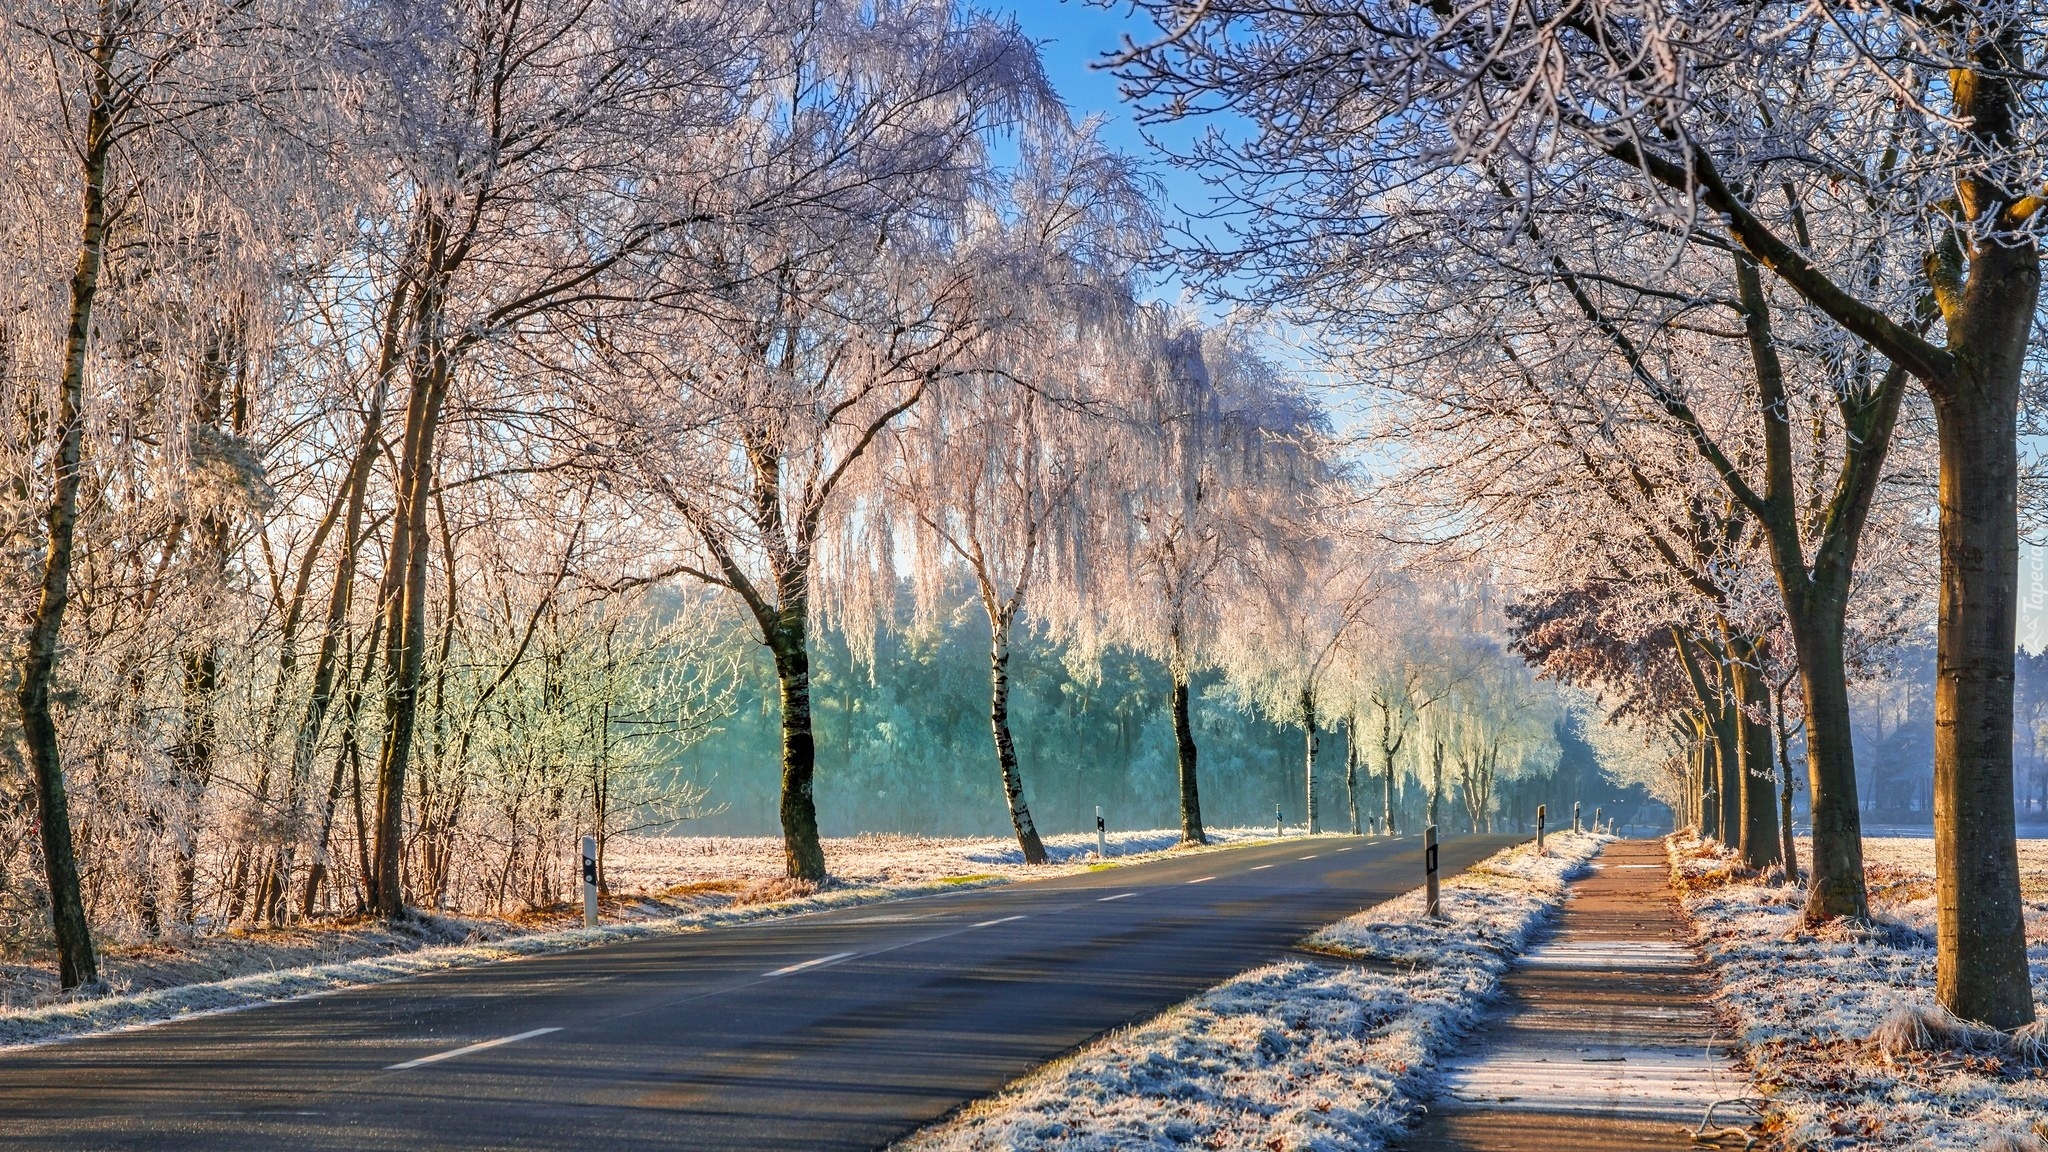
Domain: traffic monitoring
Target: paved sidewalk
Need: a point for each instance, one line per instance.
(1604, 1039)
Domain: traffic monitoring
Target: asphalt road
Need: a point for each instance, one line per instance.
(837, 1030)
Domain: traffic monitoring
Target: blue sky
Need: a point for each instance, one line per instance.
(1073, 36)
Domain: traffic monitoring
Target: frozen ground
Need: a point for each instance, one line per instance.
(654, 863)
(1839, 1025)
(1294, 1056)
(659, 885)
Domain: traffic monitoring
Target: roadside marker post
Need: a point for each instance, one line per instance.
(1575, 816)
(1101, 835)
(1279, 826)
(1539, 829)
(1436, 910)
(590, 881)
(1596, 820)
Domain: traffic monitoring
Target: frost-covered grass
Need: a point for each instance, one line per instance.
(661, 886)
(1839, 1025)
(1298, 1055)
(650, 863)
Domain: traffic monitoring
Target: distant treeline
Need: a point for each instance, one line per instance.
(905, 747)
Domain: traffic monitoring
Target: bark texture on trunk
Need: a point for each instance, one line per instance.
(1191, 831)
(405, 634)
(803, 851)
(1728, 771)
(1312, 740)
(1351, 768)
(1760, 848)
(1981, 967)
(405, 607)
(1789, 846)
(77, 964)
(1006, 748)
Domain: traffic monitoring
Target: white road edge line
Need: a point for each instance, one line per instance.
(454, 1052)
(1118, 896)
(1203, 880)
(993, 923)
(833, 958)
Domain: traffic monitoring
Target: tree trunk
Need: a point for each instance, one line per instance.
(1759, 797)
(1191, 830)
(1981, 965)
(76, 963)
(1790, 848)
(1351, 768)
(1387, 793)
(1701, 788)
(193, 758)
(1311, 738)
(803, 852)
(405, 624)
(1436, 783)
(1728, 765)
(323, 829)
(1006, 749)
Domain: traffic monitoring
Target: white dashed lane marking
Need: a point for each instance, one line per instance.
(1203, 880)
(1260, 867)
(464, 1051)
(822, 960)
(1118, 896)
(993, 923)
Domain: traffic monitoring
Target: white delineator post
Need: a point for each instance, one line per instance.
(1279, 826)
(1539, 829)
(1101, 835)
(1436, 910)
(590, 881)
(1575, 816)
(1596, 819)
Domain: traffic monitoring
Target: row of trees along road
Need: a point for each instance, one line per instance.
(1779, 233)
(407, 405)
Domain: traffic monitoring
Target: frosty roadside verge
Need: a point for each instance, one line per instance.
(1839, 1024)
(1300, 1054)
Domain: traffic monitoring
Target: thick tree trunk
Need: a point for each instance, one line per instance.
(1312, 740)
(76, 963)
(1981, 966)
(803, 851)
(1006, 748)
(1184, 752)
